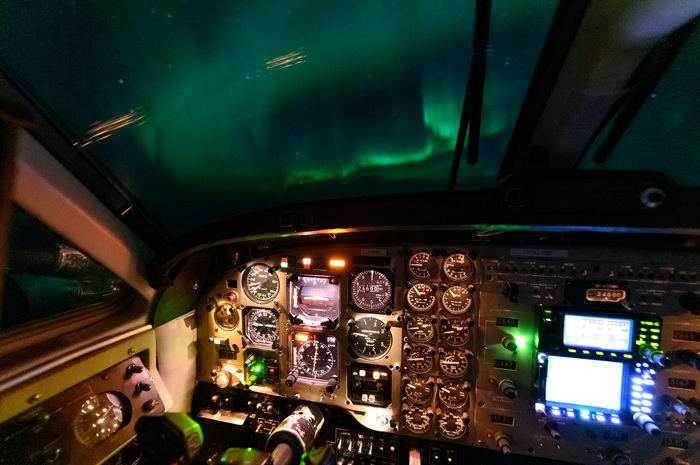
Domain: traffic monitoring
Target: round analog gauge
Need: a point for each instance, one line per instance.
(420, 328)
(419, 359)
(314, 359)
(99, 417)
(371, 290)
(226, 316)
(457, 299)
(455, 331)
(421, 297)
(453, 393)
(260, 283)
(454, 362)
(416, 418)
(458, 267)
(422, 265)
(419, 390)
(262, 325)
(451, 424)
(370, 337)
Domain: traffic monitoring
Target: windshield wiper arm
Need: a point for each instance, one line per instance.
(474, 95)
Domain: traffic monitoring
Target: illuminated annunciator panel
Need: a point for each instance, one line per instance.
(592, 367)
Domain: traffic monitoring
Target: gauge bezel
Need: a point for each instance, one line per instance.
(353, 330)
(326, 317)
(460, 387)
(84, 435)
(361, 308)
(441, 421)
(410, 335)
(460, 352)
(246, 326)
(429, 273)
(416, 400)
(431, 288)
(450, 274)
(449, 320)
(314, 337)
(251, 294)
(430, 353)
(447, 306)
(426, 414)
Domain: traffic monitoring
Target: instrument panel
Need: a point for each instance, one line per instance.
(450, 343)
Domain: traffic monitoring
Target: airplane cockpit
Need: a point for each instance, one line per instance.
(350, 233)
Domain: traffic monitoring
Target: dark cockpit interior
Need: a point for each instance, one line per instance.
(351, 233)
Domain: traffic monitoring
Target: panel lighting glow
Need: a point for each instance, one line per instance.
(593, 332)
(336, 263)
(584, 383)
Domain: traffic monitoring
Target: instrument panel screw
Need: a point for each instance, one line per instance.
(35, 398)
(131, 351)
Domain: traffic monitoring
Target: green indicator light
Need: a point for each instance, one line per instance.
(599, 353)
(573, 351)
(613, 354)
(547, 319)
(639, 343)
(587, 352)
(655, 337)
(657, 324)
(655, 330)
(642, 329)
(548, 311)
(627, 356)
(655, 345)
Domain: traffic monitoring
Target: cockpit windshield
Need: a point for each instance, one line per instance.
(204, 111)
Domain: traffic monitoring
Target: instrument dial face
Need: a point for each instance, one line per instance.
(421, 297)
(226, 316)
(420, 328)
(418, 390)
(451, 424)
(314, 359)
(457, 299)
(417, 419)
(260, 283)
(422, 265)
(419, 359)
(262, 325)
(99, 417)
(371, 290)
(458, 267)
(455, 331)
(370, 338)
(454, 362)
(453, 393)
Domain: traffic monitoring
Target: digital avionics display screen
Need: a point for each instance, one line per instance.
(596, 332)
(583, 383)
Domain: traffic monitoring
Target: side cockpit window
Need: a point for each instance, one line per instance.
(45, 276)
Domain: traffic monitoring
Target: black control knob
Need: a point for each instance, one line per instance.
(509, 343)
(508, 388)
(689, 357)
(621, 459)
(332, 383)
(654, 355)
(133, 369)
(291, 379)
(511, 291)
(646, 423)
(503, 442)
(143, 387)
(551, 428)
(677, 405)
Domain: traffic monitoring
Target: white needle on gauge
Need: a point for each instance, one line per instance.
(415, 359)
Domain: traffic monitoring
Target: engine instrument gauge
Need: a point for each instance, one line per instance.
(99, 417)
(451, 424)
(422, 265)
(314, 359)
(420, 328)
(416, 418)
(421, 297)
(226, 316)
(455, 331)
(457, 299)
(418, 389)
(262, 325)
(419, 358)
(454, 362)
(458, 267)
(260, 283)
(370, 337)
(371, 290)
(453, 393)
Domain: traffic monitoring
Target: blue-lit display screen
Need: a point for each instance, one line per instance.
(584, 384)
(600, 333)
